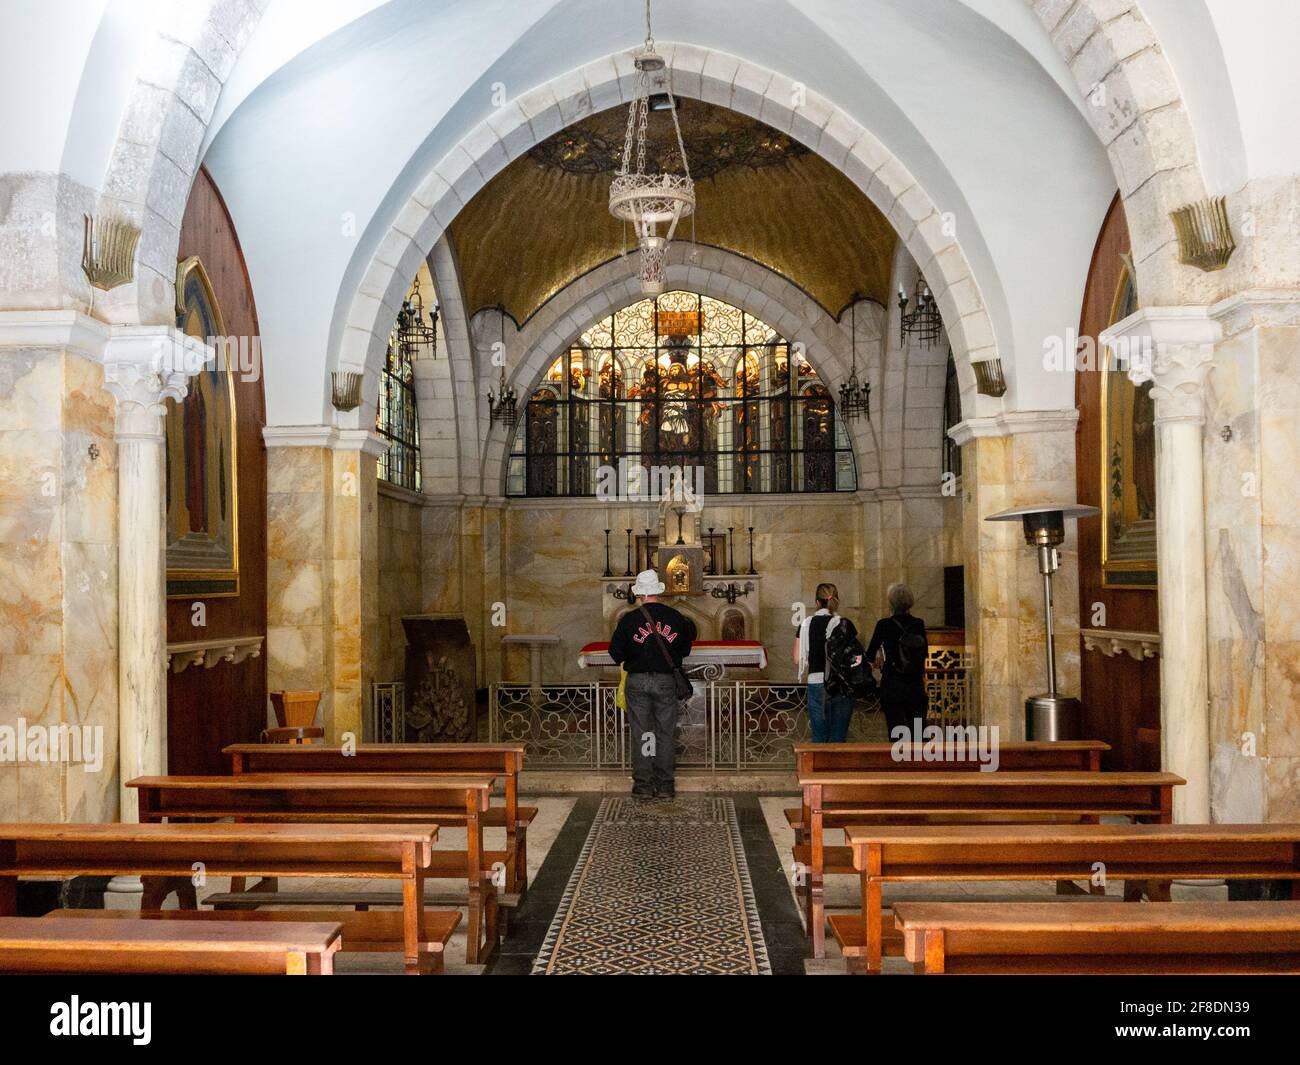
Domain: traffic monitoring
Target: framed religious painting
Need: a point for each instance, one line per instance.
(201, 471)
(1128, 473)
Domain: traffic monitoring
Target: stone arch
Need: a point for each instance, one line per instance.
(712, 272)
(701, 73)
(156, 155)
(1137, 109)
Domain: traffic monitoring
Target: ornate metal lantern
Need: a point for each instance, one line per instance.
(651, 200)
(922, 322)
(855, 397)
(413, 335)
(502, 407)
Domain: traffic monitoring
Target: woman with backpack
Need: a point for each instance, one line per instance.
(901, 641)
(826, 649)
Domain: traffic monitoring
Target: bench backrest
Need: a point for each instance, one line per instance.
(1243, 850)
(1076, 755)
(293, 795)
(50, 849)
(504, 759)
(1046, 792)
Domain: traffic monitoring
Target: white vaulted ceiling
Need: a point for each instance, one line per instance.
(322, 136)
(336, 111)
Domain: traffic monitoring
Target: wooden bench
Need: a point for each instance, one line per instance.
(1155, 938)
(342, 798)
(1153, 853)
(505, 760)
(103, 945)
(168, 856)
(927, 796)
(363, 931)
(1057, 756)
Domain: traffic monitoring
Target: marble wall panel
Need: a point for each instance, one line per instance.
(58, 577)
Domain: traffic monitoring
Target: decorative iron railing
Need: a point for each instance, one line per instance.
(725, 725)
(387, 712)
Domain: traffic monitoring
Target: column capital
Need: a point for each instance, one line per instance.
(1173, 348)
(145, 365)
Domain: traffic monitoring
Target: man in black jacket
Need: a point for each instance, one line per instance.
(649, 640)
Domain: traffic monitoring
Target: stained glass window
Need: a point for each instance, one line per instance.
(397, 420)
(682, 380)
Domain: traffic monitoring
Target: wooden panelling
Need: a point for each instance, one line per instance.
(207, 709)
(1119, 695)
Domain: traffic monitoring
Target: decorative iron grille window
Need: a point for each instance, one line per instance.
(951, 416)
(682, 380)
(398, 421)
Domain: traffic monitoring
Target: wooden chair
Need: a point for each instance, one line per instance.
(295, 708)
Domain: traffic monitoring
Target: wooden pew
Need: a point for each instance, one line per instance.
(1155, 938)
(167, 855)
(1153, 853)
(1060, 755)
(363, 931)
(911, 798)
(347, 797)
(59, 945)
(505, 760)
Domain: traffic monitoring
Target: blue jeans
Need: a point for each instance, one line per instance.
(829, 717)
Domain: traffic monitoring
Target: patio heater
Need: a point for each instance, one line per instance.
(1048, 716)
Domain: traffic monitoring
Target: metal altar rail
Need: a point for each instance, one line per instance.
(726, 725)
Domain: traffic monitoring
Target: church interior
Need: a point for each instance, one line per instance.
(364, 364)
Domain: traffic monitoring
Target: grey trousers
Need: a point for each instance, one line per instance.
(652, 721)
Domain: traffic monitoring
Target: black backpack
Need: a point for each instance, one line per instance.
(843, 648)
(911, 651)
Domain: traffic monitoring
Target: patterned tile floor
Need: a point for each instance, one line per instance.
(660, 887)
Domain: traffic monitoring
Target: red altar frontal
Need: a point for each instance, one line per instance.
(709, 658)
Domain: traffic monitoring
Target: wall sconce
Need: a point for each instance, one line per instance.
(1204, 234)
(345, 389)
(108, 252)
(1048, 716)
(988, 377)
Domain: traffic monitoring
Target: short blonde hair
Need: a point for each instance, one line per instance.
(828, 596)
(900, 598)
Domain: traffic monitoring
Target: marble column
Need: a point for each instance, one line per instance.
(143, 367)
(1173, 348)
(323, 568)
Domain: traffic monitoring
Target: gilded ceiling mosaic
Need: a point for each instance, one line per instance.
(543, 221)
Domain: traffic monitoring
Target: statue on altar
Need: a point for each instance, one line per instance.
(680, 557)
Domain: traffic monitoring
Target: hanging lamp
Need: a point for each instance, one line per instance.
(501, 406)
(651, 200)
(855, 397)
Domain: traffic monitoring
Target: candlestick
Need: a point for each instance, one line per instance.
(629, 554)
(751, 550)
(731, 550)
(607, 572)
(713, 553)
(647, 550)
(680, 541)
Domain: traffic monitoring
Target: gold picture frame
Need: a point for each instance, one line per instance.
(1128, 479)
(202, 458)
